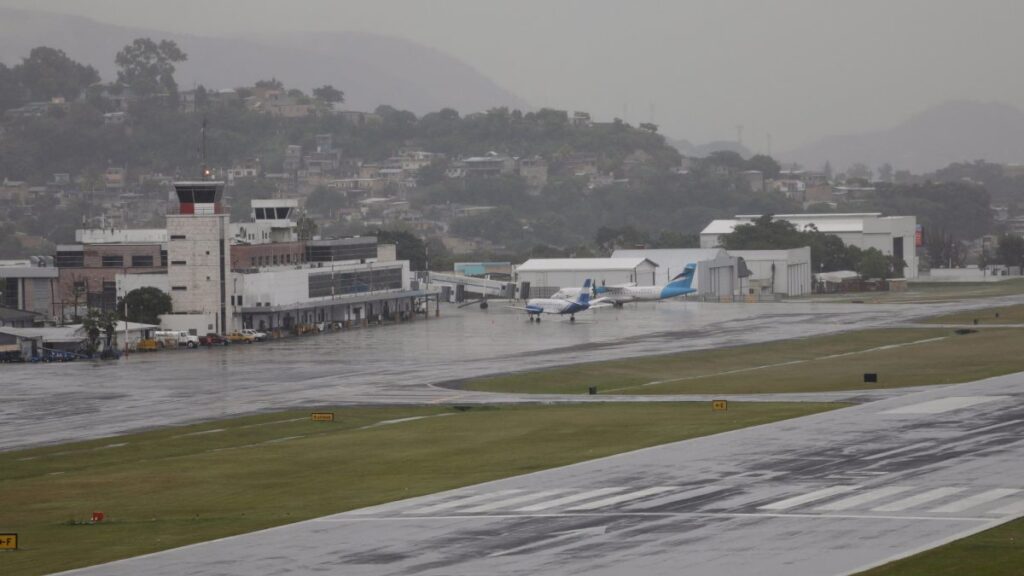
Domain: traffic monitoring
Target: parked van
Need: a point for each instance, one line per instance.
(171, 338)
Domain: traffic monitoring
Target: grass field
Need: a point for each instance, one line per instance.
(900, 357)
(176, 486)
(985, 317)
(995, 552)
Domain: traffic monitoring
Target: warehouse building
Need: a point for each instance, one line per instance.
(542, 277)
(717, 274)
(891, 235)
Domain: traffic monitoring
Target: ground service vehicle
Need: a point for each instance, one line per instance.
(171, 338)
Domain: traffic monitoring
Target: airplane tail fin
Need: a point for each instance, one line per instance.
(585, 292)
(685, 278)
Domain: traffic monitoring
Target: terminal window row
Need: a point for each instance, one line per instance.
(340, 283)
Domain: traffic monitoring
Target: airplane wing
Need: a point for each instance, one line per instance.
(595, 304)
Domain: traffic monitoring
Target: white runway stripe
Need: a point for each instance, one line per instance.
(687, 495)
(1014, 509)
(514, 501)
(974, 501)
(898, 451)
(462, 502)
(808, 498)
(624, 498)
(864, 498)
(918, 499)
(570, 499)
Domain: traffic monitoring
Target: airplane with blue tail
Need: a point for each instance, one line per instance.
(681, 285)
(581, 302)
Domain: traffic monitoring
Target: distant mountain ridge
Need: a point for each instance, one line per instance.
(370, 69)
(954, 131)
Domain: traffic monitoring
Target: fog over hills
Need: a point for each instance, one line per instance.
(955, 131)
(370, 69)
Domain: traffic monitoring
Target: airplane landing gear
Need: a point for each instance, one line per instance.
(572, 318)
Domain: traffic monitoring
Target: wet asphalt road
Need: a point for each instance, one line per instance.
(41, 404)
(833, 493)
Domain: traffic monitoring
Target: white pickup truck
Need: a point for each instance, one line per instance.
(176, 338)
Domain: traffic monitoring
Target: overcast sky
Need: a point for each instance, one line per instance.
(797, 69)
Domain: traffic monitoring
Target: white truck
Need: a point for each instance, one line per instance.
(171, 338)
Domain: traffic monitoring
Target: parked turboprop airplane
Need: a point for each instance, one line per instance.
(619, 295)
(561, 306)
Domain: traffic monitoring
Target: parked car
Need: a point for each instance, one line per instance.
(241, 338)
(256, 334)
(213, 339)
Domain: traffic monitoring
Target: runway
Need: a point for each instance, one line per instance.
(397, 364)
(833, 493)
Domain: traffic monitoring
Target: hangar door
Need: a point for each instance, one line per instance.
(720, 281)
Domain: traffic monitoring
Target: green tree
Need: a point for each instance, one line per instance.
(874, 264)
(146, 305)
(765, 164)
(885, 172)
(12, 92)
(859, 171)
(1011, 250)
(329, 94)
(325, 201)
(148, 67)
(97, 323)
(49, 73)
(408, 246)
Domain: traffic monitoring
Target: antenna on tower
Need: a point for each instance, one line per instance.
(205, 168)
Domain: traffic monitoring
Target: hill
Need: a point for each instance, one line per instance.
(954, 131)
(371, 69)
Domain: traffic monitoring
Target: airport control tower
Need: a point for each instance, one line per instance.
(199, 255)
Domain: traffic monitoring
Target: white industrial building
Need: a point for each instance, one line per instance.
(545, 276)
(891, 235)
(717, 274)
(776, 271)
